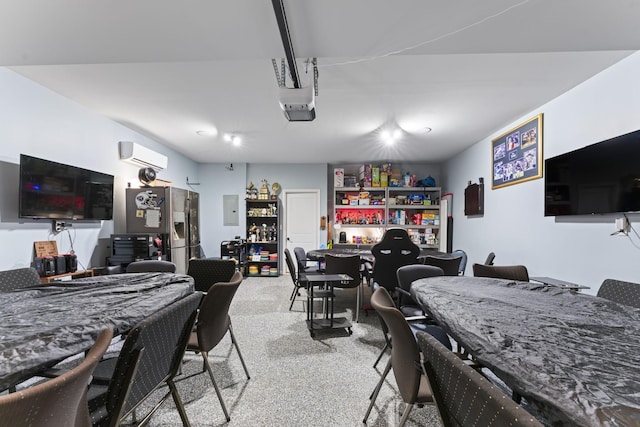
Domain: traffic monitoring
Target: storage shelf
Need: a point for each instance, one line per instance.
(418, 207)
(362, 225)
(389, 211)
(361, 206)
(273, 230)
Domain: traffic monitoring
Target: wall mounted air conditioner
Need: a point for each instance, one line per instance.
(142, 156)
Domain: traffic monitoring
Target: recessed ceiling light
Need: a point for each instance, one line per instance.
(210, 132)
(426, 130)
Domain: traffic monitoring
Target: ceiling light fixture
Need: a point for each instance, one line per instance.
(234, 139)
(390, 137)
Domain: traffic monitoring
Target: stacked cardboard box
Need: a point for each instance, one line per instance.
(364, 175)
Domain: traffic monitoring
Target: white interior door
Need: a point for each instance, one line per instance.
(302, 219)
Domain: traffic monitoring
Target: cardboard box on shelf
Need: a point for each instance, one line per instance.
(364, 175)
(375, 177)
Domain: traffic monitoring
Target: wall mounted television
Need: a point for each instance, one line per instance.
(58, 191)
(601, 178)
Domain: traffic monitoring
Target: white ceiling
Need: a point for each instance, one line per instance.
(167, 69)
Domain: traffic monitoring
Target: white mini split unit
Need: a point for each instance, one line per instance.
(298, 105)
(142, 156)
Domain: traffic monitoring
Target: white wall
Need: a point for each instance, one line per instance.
(295, 177)
(38, 122)
(216, 180)
(575, 249)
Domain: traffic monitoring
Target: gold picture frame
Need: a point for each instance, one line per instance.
(516, 155)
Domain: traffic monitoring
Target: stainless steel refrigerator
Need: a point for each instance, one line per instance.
(172, 214)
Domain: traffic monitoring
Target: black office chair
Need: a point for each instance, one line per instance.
(464, 397)
(509, 272)
(349, 265)
(213, 324)
(392, 252)
(207, 271)
(150, 266)
(57, 402)
(450, 266)
(18, 278)
(626, 293)
(150, 358)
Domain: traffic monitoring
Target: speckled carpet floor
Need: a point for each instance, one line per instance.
(295, 380)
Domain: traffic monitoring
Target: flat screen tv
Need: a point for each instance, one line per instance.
(58, 191)
(600, 178)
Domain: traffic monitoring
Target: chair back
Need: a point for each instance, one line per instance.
(450, 266)
(407, 274)
(463, 396)
(213, 319)
(290, 265)
(207, 271)
(509, 272)
(150, 266)
(626, 293)
(349, 265)
(301, 258)
(490, 258)
(463, 261)
(151, 354)
(392, 252)
(18, 278)
(57, 402)
(404, 352)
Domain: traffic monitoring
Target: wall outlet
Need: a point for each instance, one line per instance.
(622, 225)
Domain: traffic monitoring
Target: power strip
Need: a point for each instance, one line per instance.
(60, 226)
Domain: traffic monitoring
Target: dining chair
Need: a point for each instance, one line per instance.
(406, 304)
(18, 278)
(295, 278)
(303, 261)
(150, 358)
(463, 261)
(59, 402)
(349, 265)
(405, 356)
(626, 293)
(450, 266)
(213, 324)
(509, 272)
(150, 266)
(463, 396)
(207, 271)
(490, 258)
(407, 274)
